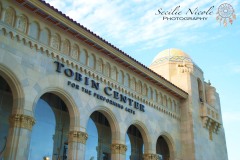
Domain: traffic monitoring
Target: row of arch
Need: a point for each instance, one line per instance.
(44, 35)
(62, 110)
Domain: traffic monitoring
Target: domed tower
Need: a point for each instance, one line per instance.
(171, 64)
(201, 121)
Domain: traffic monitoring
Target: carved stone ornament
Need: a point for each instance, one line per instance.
(75, 52)
(78, 136)
(150, 156)
(9, 16)
(100, 65)
(22, 121)
(55, 42)
(184, 68)
(118, 148)
(212, 126)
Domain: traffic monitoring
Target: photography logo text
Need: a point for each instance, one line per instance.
(190, 14)
(225, 13)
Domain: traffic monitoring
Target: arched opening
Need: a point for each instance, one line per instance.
(200, 90)
(98, 145)
(162, 149)
(34, 30)
(134, 142)
(6, 103)
(126, 80)
(50, 133)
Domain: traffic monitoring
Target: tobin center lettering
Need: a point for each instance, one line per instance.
(109, 92)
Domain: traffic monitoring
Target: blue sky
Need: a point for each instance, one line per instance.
(133, 27)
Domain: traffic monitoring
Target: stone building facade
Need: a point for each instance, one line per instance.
(65, 93)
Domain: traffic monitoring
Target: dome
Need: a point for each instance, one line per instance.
(174, 55)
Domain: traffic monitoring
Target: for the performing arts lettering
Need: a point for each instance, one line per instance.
(108, 91)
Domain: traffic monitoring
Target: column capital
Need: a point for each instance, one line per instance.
(22, 121)
(118, 148)
(150, 156)
(78, 136)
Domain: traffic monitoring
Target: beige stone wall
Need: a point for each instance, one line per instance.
(28, 50)
(202, 132)
(209, 136)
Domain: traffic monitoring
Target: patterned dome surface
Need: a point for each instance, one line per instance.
(174, 55)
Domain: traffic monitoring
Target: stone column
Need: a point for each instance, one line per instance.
(76, 145)
(150, 156)
(19, 137)
(118, 151)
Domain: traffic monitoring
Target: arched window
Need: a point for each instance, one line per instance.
(50, 133)
(133, 84)
(9, 16)
(126, 80)
(66, 47)
(91, 61)
(120, 77)
(165, 100)
(155, 95)
(34, 30)
(44, 36)
(169, 104)
(99, 141)
(55, 41)
(162, 149)
(114, 73)
(75, 52)
(150, 93)
(160, 98)
(22, 23)
(6, 104)
(83, 56)
(100, 65)
(107, 69)
(0, 10)
(144, 90)
(200, 90)
(134, 142)
(139, 86)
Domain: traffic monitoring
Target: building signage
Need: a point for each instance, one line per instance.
(110, 96)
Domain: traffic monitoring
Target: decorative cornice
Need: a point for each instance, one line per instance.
(22, 121)
(149, 156)
(78, 136)
(118, 148)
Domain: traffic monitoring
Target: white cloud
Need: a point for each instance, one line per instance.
(128, 23)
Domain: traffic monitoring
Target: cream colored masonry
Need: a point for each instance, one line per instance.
(28, 50)
(88, 63)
